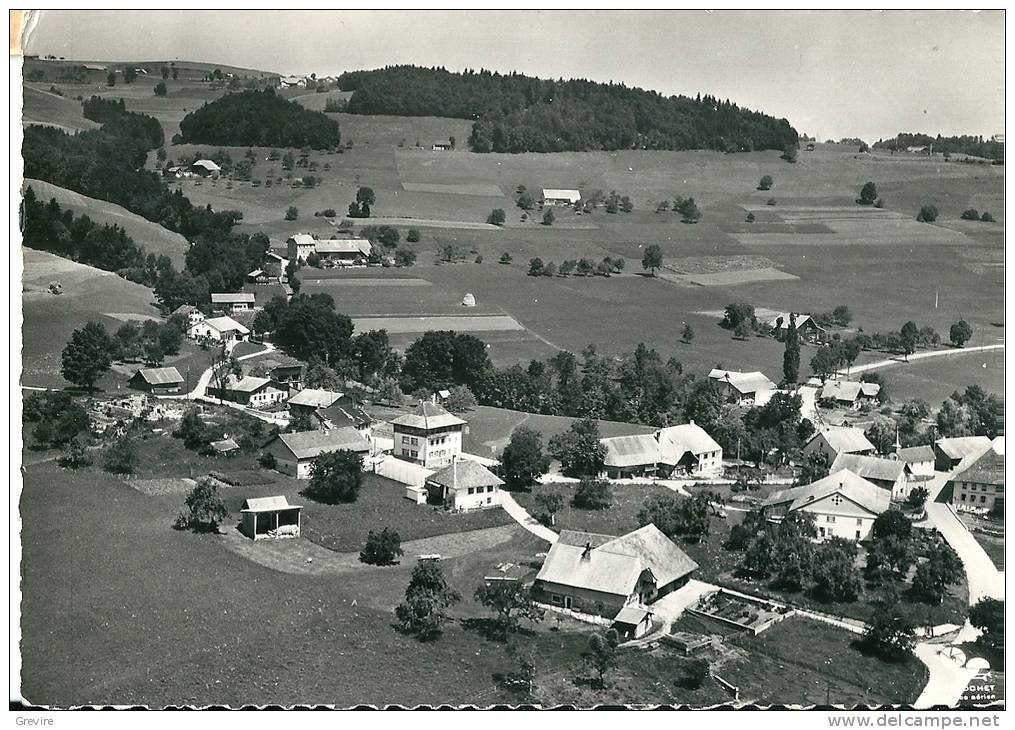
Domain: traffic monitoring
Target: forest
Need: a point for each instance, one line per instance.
(258, 119)
(965, 144)
(517, 113)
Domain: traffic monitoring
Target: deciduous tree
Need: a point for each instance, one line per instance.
(428, 597)
(87, 355)
(335, 477)
(523, 460)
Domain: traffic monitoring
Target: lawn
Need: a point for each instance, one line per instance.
(619, 518)
(937, 378)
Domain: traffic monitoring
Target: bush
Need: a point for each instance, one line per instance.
(592, 494)
(770, 201)
(548, 217)
(291, 213)
(382, 548)
(505, 258)
(121, 456)
(766, 183)
(496, 217)
(412, 236)
(927, 214)
(405, 257)
(75, 456)
(972, 214)
(987, 217)
(207, 509)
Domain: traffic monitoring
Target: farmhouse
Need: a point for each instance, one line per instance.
(431, 436)
(959, 452)
(561, 197)
(233, 303)
(249, 391)
(806, 327)
(684, 449)
(224, 329)
(206, 168)
(600, 574)
(843, 504)
(464, 485)
(834, 440)
(298, 82)
(741, 388)
(980, 487)
(299, 246)
(443, 146)
(918, 149)
(330, 409)
(258, 276)
(851, 393)
(891, 474)
(192, 313)
(157, 381)
(343, 251)
(284, 372)
(263, 517)
(295, 453)
(919, 458)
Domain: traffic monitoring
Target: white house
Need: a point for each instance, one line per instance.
(919, 458)
(685, 449)
(299, 246)
(834, 440)
(431, 436)
(234, 303)
(443, 146)
(464, 485)
(806, 327)
(224, 329)
(843, 504)
(250, 391)
(562, 197)
(742, 388)
(891, 474)
(192, 313)
(206, 168)
(850, 393)
(295, 453)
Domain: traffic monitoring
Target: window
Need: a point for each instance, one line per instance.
(490, 488)
(489, 500)
(829, 518)
(471, 490)
(556, 599)
(859, 521)
(405, 452)
(963, 497)
(857, 534)
(983, 498)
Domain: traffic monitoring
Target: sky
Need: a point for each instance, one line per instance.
(832, 74)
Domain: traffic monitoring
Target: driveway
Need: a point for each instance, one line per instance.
(523, 518)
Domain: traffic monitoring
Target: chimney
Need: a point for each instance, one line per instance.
(587, 552)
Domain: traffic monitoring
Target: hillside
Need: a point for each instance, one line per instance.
(516, 113)
(81, 71)
(44, 107)
(153, 237)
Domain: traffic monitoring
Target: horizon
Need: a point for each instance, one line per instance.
(886, 72)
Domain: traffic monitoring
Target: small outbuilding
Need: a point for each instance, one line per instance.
(633, 622)
(157, 381)
(206, 168)
(270, 517)
(464, 485)
(225, 446)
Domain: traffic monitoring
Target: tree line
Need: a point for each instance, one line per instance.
(518, 113)
(974, 145)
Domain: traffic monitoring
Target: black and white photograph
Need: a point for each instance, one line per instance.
(537, 358)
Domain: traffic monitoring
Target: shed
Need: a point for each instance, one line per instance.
(270, 517)
(225, 446)
(157, 381)
(633, 622)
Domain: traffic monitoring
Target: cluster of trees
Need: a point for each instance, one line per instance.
(249, 433)
(975, 146)
(973, 412)
(971, 214)
(122, 122)
(582, 267)
(679, 518)
(59, 419)
(840, 316)
(150, 340)
(259, 119)
(905, 341)
(335, 477)
(517, 113)
(360, 208)
(442, 358)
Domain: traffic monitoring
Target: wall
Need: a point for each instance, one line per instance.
(466, 501)
(840, 520)
(582, 599)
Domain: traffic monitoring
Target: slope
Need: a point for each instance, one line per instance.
(44, 107)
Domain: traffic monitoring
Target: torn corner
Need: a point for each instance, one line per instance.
(22, 24)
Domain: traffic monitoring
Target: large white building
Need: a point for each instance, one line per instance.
(685, 449)
(843, 504)
(223, 329)
(431, 436)
(558, 196)
(741, 388)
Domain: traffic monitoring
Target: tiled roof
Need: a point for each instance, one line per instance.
(464, 474)
(233, 298)
(160, 376)
(308, 444)
(314, 398)
(845, 439)
(744, 383)
(226, 324)
(665, 446)
(870, 467)
(916, 453)
(428, 416)
(871, 497)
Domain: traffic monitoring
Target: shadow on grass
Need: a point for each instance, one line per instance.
(493, 630)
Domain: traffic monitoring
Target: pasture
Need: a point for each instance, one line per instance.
(935, 379)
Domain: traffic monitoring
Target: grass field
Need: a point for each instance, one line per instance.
(937, 378)
(44, 107)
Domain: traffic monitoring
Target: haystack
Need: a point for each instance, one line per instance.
(468, 300)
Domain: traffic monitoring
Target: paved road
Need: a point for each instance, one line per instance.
(922, 356)
(523, 518)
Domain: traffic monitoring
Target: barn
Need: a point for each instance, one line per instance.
(158, 381)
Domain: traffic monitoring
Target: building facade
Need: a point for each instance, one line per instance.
(431, 437)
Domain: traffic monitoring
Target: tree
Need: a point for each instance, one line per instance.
(618, 263)
(750, 218)
(129, 74)
(970, 214)
(601, 654)
(505, 258)
(815, 466)
(120, 456)
(548, 217)
(207, 510)
(428, 597)
(87, 355)
(942, 569)
(442, 358)
(536, 267)
(766, 183)
(868, 194)
(160, 88)
(496, 217)
(626, 204)
(986, 217)
(652, 259)
(365, 196)
(193, 432)
(111, 78)
(917, 497)
(525, 657)
(689, 212)
(291, 213)
(890, 634)
(789, 152)
(523, 460)
(75, 456)
(791, 354)
(909, 336)
(882, 433)
(687, 333)
(510, 601)
(696, 671)
(413, 235)
(405, 257)
(382, 548)
(927, 214)
(525, 201)
(738, 312)
(460, 399)
(988, 616)
(578, 449)
(834, 572)
(165, 72)
(960, 333)
(824, 363)
(550, 503)
(335, 477)
(592, 494)
(742, 330)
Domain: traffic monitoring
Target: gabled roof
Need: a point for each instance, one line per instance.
(246, 384)
(315, 398)
(308, 444)
(614, 565)
(267, 504)
(622, 451)
(844, 439)
(428, 416)
(665, 446)
(256, 272)
(224, 445)
(631, 615)
(988, 469)
(207, 165)
(561, 194)
(344, 245)
(462, 474)
(275, 360)
(871, 467)
(689, 437)
(160, 376)
(962, 447)
(916, 453)
(849, 390)
(233, 298)
(185, 309)
(743, 383)
(302, 239)
(855, 488)
(225, 324)
(801, 321)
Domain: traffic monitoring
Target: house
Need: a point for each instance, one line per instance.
(919, 458)
(299, 246)
(331, 409)
(851, 393)
(806, 327)
(959, 452)
(295, 453)
(834, 440)
(157, 381)
(343, 251)
(891, 474)
(430, 436)
(258, 276)
(980, 486)
(249, 391)
(225, 447)
(918, 149)
(263, 517)
(296, 82)
(270, 257)
(632, 622)
(741, 388)
(234, 303)
(601, 574)
(192, 313)
(443, 146)
(464, 485)
(284, 372)
(560, 197)
(224, 329)
(205, 168)
(685, 449)
(843, 504)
